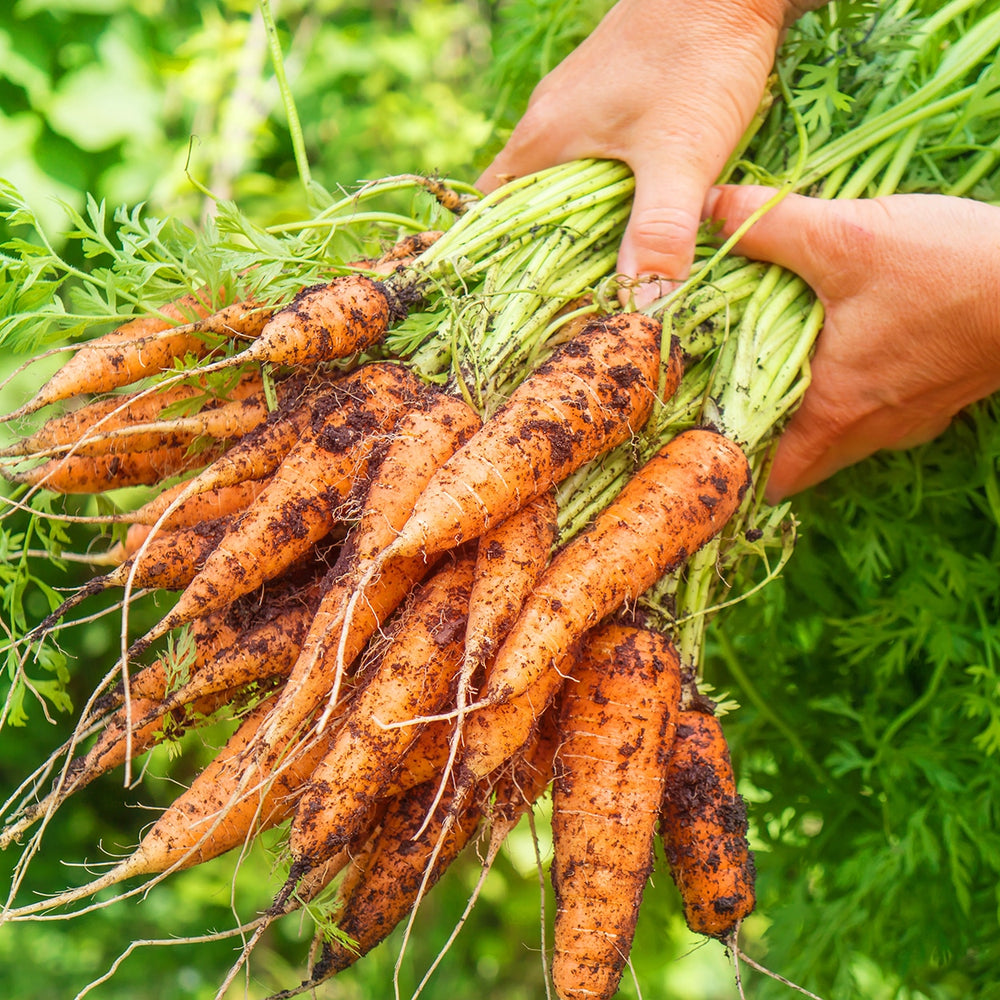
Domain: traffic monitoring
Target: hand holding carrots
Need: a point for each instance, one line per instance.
(912, 327)
(667, 86)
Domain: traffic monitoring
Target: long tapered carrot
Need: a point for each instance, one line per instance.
(222, 423)
(113, 360)
(617, 727)
(382, 883)
(302, 500)
(170, 562)
(510, 558)
(146, 690)
(219, 811)
(412, 679)
(264, 651)
(704, 829)
(219, 502)
(101, 473)
(254, 457)
(593, 394)
(420, 442)
(673, 505)
(115, 423)
(514, 789)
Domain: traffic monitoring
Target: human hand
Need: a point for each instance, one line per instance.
(668, 87)
(910, 285)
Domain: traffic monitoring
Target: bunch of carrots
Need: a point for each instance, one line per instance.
(371, 573)
(445, 526)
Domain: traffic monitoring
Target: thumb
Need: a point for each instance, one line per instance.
(660, 237)
(785, 234)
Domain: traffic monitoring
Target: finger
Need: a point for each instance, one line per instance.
(660, 237)
(813, 447)
(787, 233)
(803, 451)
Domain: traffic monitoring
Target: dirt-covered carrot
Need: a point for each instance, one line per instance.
(304, 497)
(594, 393)
(494, 732)
(259, 653)
(510, 558)
(170, 562)
(219, 811)
(423, 438)
(222, 501)
(117, 742)
(252, 458)
(115, 423)
(412, 679)
(617, 726)
(114, 360)
(220, 423)
(704, 829)
(382, 883)
(407, 249)
(673, 505)
(101, 473)
(326, 322)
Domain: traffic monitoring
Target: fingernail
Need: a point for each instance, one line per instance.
(646, 294)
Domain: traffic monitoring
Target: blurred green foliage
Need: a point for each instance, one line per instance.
(126, 100)
(869, 675)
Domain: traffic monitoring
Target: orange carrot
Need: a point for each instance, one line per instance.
(224, 422)
(100, 473)
(520, 782)
(408, 248)
(171, 561)
(704, 829)
(219, 811)
(326, 322)
(673, 505)
(208, 637)
(208, 506)
(421, 440)
(261, 652)
(594, 393)
(303, 499)
(412, 679)
(383, 882)
(495, 731)
(311, 681)
(617, 725)
(509, 560)
(115, 412)
(113, 360)
(251, 458)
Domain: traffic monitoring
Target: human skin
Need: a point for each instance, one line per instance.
(668, 87)
(909, 283)
(910, 286)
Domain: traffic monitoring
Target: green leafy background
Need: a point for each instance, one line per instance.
(868, 675)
